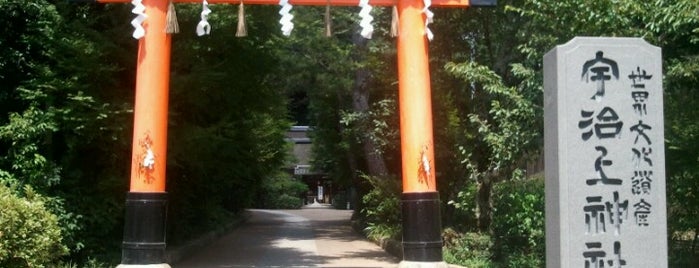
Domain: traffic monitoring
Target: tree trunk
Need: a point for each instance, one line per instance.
(484, 205)
(376, 166)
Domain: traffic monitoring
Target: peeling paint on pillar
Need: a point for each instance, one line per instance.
(425, 166)
(145, 160)
(148, 162)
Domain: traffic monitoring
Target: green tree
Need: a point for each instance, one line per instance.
(508, 43)
(227, 120)
(55, 119)
(486, 106)
(67, 94)
(29, 233)
(349, 86)
(671, 25)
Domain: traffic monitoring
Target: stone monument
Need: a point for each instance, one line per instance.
(604, 154)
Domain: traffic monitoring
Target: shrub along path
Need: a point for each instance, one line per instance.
(310, 237)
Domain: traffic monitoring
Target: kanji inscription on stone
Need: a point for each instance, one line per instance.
(604, 150)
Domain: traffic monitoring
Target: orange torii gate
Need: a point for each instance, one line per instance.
(144, 232)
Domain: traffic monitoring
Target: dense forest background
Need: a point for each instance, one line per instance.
(66, 98)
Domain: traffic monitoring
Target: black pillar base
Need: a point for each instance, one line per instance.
(144, 228)
(422, 227)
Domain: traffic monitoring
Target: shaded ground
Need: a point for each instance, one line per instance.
(314, 237)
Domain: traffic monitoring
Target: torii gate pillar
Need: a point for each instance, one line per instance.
(146, 202)
(422, 243)
(420, 206)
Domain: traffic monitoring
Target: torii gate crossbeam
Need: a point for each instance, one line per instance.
(144, 233)
(441, 3)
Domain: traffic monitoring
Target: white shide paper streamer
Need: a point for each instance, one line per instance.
(204, 27)
(365, 23)
(285, 21)
(140, 10)
(428, 18)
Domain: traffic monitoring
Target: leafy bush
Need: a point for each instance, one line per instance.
(90, 263)
(683, 253)
(380, 231)
(285, 201)
(683, 218)
(465, 207)
(340, 200)
(518, 222)
(473, 250)
(520, 259)
(382, 208)
(29, 233)
(282, 192)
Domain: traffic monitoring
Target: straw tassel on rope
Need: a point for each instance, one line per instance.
(394, 22)
(328, 21)
(242, 30)
(172, 26)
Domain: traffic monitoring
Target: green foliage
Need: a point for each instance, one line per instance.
(227, 121)
(282, 192)
(24, 132)
(517, 229)
(317, 72)
(340, 200)
(350, 107)
(474, 250)
(508, 129)
(377, 124)
(90, 263)
(464, 215)
(381, 210)
(671, 25)
(511, 40)
(683, 221)
(59, 130)
(504, 136)
(29, 233)
(28, 78)
(66, 74)
(518, 222)
(285, 201)
(678, 25)
(284, 184)
(380, 231)
(682, 193)
(524, 260)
